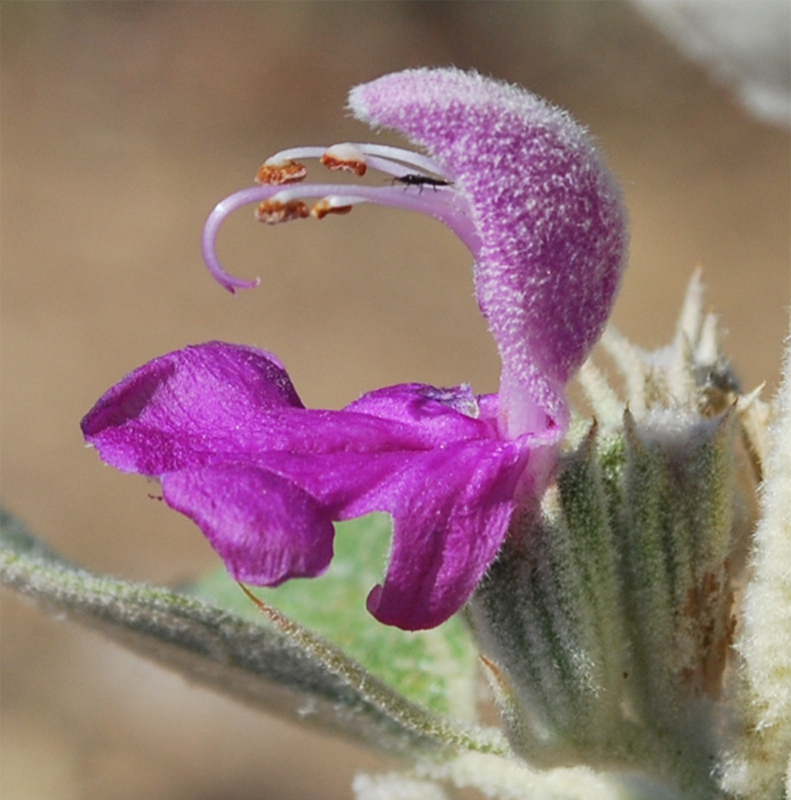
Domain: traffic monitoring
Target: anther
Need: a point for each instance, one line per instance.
(345, 157)
(284, 172)
(327, 206)
(273, 212)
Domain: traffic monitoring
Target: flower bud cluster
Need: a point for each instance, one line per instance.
(609, 618)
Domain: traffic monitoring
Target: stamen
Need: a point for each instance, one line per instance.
(331, 205)
(294, 154)
(276, 204)
(345, 157)
(392, 159)
(273, 211)
(279, 173)
(351, 156)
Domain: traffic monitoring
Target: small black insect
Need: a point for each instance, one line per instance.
(411, 179)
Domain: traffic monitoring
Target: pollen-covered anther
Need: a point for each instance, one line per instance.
(279, 173)
(273, 211)
(345, 157)
(329, 205)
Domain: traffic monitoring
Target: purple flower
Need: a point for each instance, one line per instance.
(236, 451)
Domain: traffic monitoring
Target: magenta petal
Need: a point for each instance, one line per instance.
(264, 478)
(203, 398)
(451, 511)
(265, 528)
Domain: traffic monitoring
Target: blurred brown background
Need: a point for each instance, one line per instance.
(122, 125)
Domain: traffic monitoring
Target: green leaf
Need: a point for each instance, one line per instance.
(436, 669)
(285, 669)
